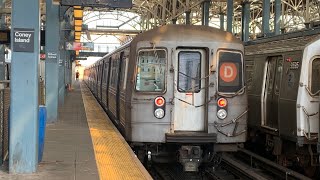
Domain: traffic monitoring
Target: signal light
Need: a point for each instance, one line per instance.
(222, 102)
(159, 101)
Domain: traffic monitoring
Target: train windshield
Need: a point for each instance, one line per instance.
(189, 79)
(230, 71)
(151, 68)
(315, 81)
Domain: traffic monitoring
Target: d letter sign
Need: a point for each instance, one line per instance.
(228, 72)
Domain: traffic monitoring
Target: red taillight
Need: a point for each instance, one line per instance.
(222, 102)
(159, 101)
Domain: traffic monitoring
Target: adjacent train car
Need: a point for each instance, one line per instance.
(175, 90)
(283, 93)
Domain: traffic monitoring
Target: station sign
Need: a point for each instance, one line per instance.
(23, 40)
(76, 46)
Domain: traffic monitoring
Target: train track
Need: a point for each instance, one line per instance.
(241, 165)
(267, 167)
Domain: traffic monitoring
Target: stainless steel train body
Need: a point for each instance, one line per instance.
(283, 89)
(163, 88)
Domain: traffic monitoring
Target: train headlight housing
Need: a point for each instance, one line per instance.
(159, 107)
(222, 114)
(159, 113)
(222, 102)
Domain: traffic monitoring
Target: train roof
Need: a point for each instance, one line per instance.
(282, 43)
(186, 33)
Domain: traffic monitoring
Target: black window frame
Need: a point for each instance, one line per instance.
(165, 71)
(311, 75)
(242, 78)
(190, 91)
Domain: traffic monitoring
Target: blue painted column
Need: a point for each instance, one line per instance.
(205, 13)
(67, 69)
(63, 36)
(221, 21)
(277, 17)
(2, 62)
(23, 141)
(245, 20)
(188, 17)
(265, 17)
(229, 15)
(2, 46)
(52, 66)
(62, 76)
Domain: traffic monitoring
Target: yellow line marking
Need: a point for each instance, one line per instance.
(114, 157)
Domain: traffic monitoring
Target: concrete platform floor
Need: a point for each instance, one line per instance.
(68, 152)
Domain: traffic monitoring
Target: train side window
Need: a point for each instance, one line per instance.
(189, 79)
(114, 73)
(230, 71)
(151, 66)
(315, 74)
(124, 72)
(106, 71)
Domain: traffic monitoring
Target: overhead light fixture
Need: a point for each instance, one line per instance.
(77, 13)
(78, 22)
(77, 33)
(78, 28)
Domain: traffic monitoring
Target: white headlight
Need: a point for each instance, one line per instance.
(222, 114)
(159, 113)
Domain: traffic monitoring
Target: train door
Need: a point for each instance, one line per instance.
(107, 74)
(118, 86)
(101, 79)
(271, 92)
(189, 90)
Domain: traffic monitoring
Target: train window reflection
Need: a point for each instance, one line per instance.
(189, 79)
(151, 68)
(315, 81)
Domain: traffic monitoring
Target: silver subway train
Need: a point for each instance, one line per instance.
(283, 93)
(175, 92)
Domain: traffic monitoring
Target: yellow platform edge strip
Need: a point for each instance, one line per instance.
(113, 162)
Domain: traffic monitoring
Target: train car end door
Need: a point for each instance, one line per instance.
(189, 90)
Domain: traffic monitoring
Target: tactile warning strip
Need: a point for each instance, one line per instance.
(114, 157)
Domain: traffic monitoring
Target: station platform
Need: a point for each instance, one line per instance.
(84, 144)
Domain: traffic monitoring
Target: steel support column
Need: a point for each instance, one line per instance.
(188, 17)
(229, 15)
(174, 21)
(24, 106)
(245, 20)
(221, 21)
(174, 11)
(277, 17)
(205, 13)
(265, 17)
(307, 14)
(52, 64)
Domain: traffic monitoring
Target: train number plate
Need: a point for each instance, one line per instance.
(294, 65)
